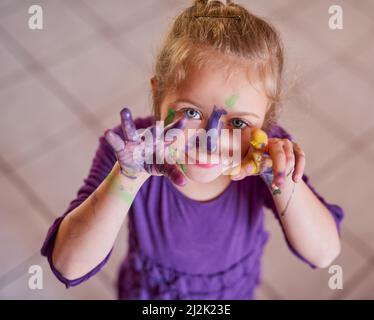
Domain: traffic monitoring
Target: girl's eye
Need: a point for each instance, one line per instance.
(238, 123)
(192, 114)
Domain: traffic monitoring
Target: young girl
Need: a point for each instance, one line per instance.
(196, 232)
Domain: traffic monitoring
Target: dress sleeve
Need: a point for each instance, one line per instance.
(335, 211)
(101, 166)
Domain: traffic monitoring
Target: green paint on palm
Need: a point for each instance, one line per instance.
(170, 117)
(182, 167)
(230, 102)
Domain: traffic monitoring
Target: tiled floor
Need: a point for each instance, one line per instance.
(61, 87)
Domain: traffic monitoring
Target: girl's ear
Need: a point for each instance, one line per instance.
(153, 83)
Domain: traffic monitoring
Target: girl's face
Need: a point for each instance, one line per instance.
(246, 108)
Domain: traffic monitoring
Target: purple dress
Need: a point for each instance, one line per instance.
(181, 248)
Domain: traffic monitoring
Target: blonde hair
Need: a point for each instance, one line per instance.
(211, 30)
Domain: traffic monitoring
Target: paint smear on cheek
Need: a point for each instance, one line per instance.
(230, 101)
(170, 116)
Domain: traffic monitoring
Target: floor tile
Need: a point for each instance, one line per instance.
(8, 63)
(114, 12)
(60, 27)
(98, 76)
(315, 22)
(57, 176)
(93, 289)
(292, 278)
(22, 227)
(345, 109)
(349, 186)
(31, 115)
(297, 118)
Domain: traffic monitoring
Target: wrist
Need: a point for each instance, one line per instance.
(139, 178)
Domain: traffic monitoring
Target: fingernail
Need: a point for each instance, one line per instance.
(298, 178)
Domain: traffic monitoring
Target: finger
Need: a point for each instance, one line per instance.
(114, 140)
(290, 155)
(173, 173)
(214, 123)
(239, 175)
(179, 124)
(300, 163)
(279, 160)
(128, 125)
(173, 130)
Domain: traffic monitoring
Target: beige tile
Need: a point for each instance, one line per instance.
(260, 294)
(302, 56)
(365, 289)
(98, 76)
(315, 23)
(265, 8)
(344, 97)
(297, 119)
(115, 12)
(57, 175)
(139, 101)
(363, 63)
(295, 280)
(22, 227)
(95, 288)
(61, 27)
(147, 37)
(32, 114)
(366, 7)
(8, 63)
(350, 186)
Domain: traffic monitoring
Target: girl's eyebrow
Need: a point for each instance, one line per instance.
(235, 112)
(189, 101)
(247, 114)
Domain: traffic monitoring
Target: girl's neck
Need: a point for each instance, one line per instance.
(205, 191)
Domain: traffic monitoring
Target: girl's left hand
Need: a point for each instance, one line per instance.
(283, 156)
(286, 156)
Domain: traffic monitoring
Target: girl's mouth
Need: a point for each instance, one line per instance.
(205, 165)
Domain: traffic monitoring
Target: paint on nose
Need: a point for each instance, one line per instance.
(214, 123)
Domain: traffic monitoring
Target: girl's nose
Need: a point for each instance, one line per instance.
(214, 125)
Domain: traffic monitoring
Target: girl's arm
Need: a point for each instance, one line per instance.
(87, 233)
(308, 224)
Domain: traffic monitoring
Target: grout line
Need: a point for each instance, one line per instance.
(27, 191)
(48, 81)
(356, 144)
(9, 9)
(362, 44)
(355, 280)
(355, 242)
(269, 290)
(50, 143)
(77, 46)
(108, 33)
(52, 60)
(19, 270)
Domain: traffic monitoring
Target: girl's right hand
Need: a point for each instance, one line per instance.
(130, 151)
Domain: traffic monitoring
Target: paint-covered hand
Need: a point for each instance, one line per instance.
(266, 156)
(142, 152)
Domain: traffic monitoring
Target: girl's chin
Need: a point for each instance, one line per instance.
(203, 175)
